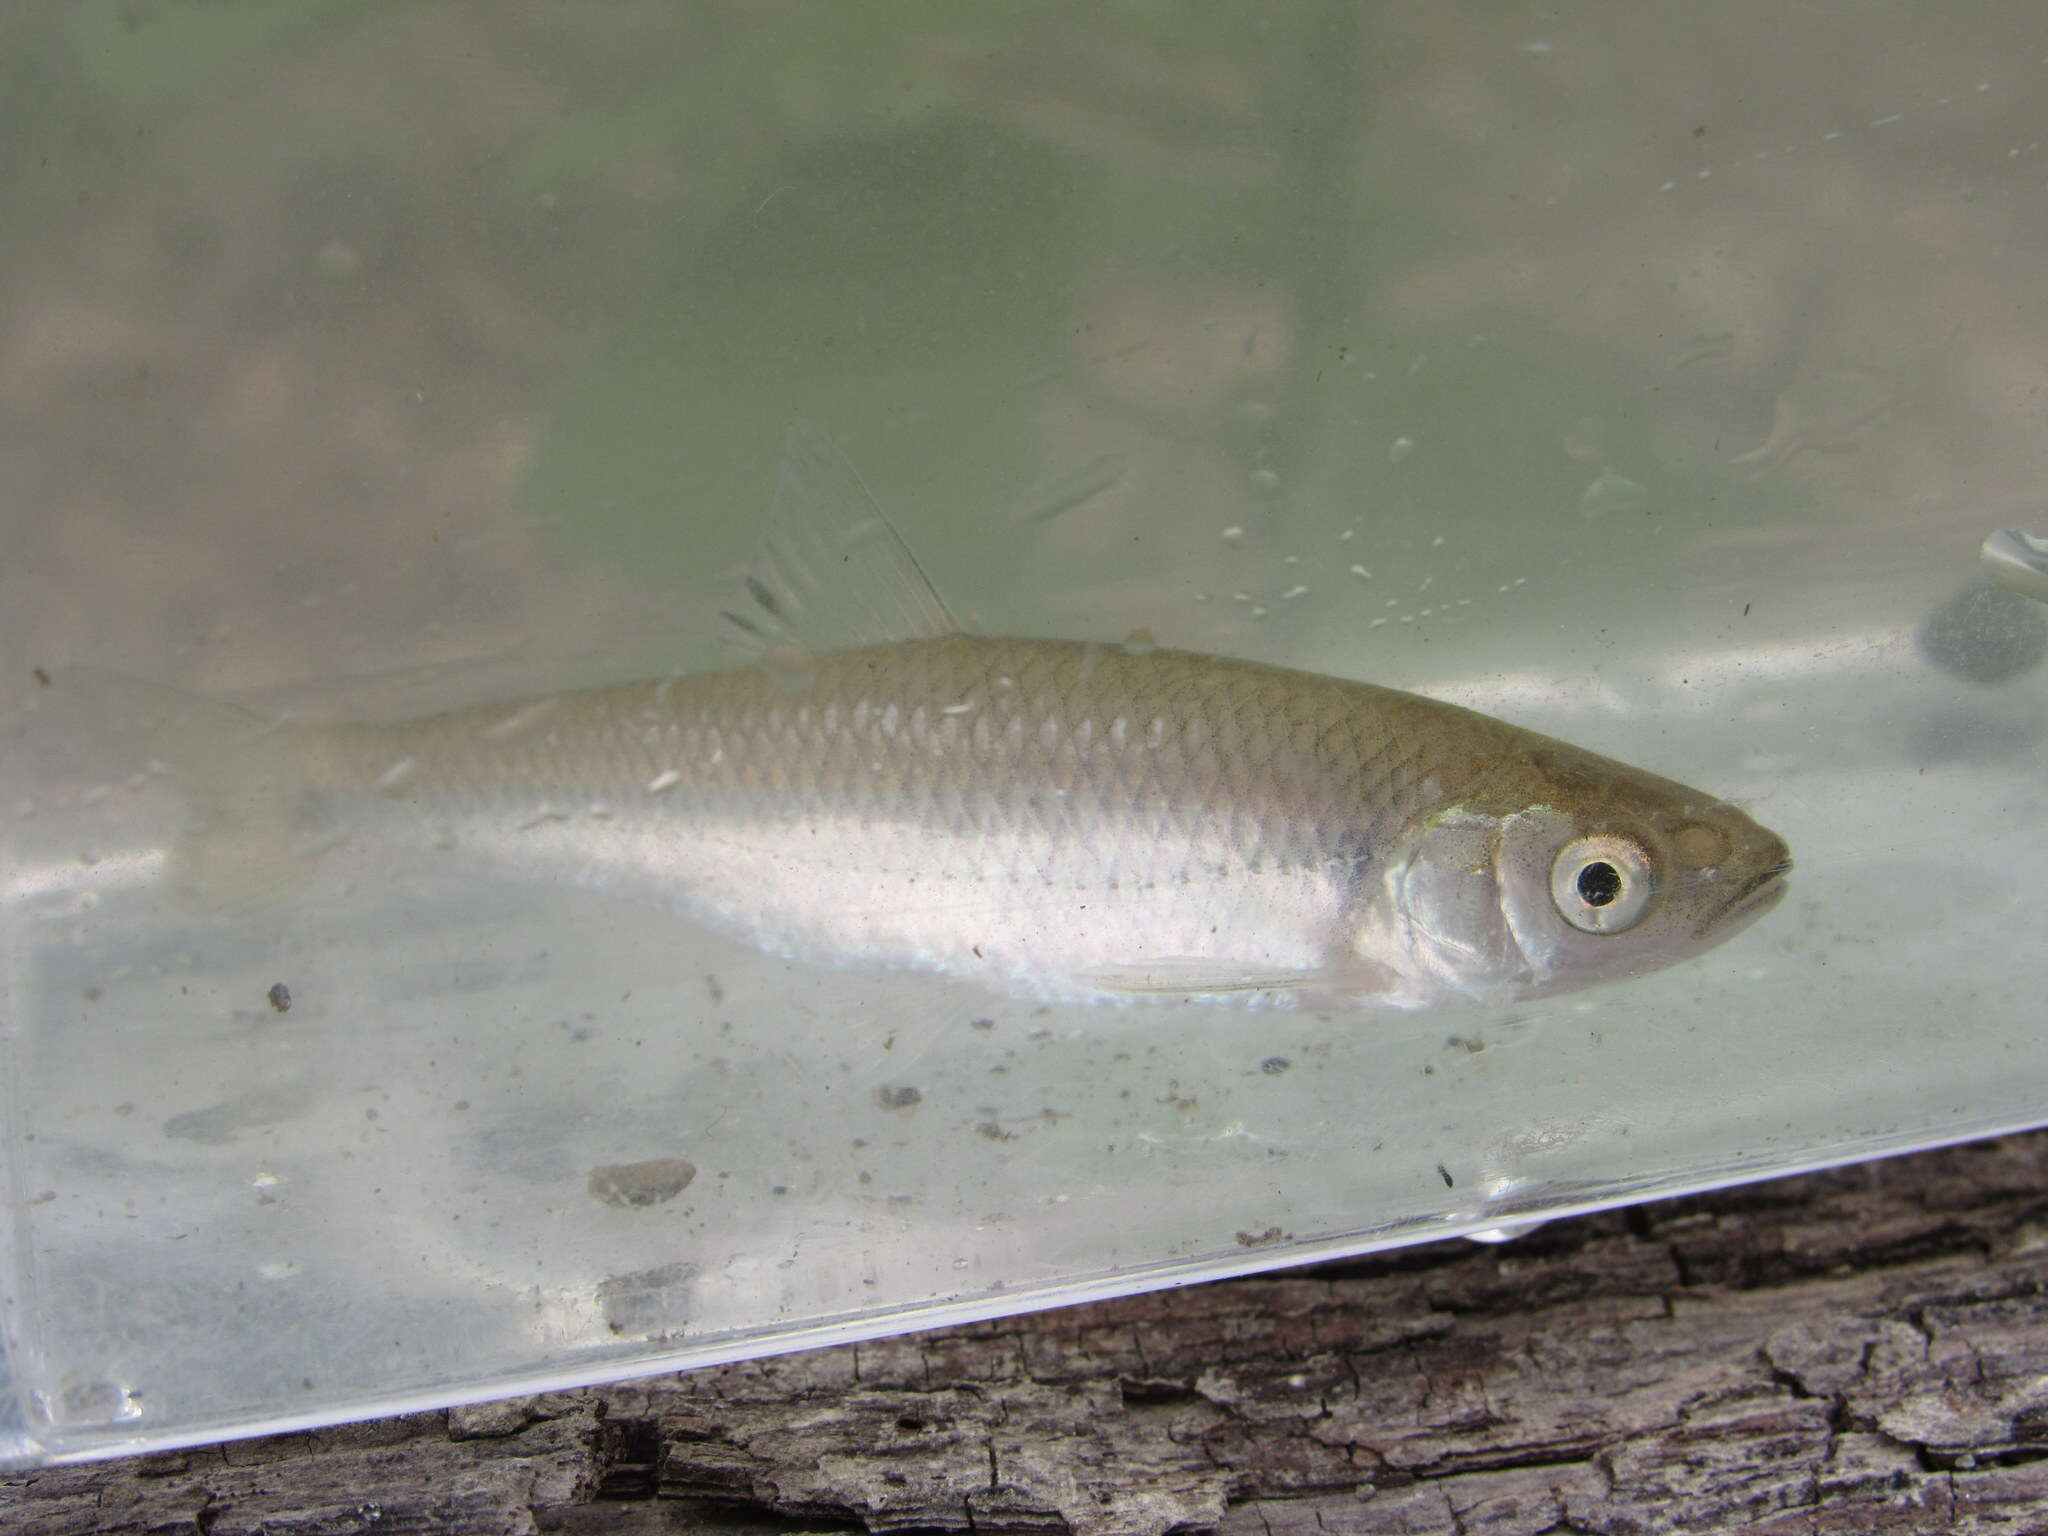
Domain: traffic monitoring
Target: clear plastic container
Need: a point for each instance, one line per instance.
(1651, 379)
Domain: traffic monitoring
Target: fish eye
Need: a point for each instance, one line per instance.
(1602, 883)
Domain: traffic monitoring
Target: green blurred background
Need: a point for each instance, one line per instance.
(338, 338)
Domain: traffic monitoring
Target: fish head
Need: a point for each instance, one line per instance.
(1571, 870)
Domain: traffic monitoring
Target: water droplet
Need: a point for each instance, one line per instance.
(1292, 593)
(1347, 535)
(1361, 573)
(1375, 623)
(1265, 481)
(1234, 534)
(1240, 597)
(1140, 642)
(668, 778)
(1611, 493)
(1400, 448)
(1437, 542)
(2017, 560)
(1258, 612)
(1585, 440)
(1205, 597)
(966, 706)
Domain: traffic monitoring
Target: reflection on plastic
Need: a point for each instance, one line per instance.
(2019, 561)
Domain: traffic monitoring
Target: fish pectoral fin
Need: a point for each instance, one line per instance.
(1175, 976)
(830, 574)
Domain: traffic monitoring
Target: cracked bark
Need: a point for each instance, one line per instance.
(1859, 1351)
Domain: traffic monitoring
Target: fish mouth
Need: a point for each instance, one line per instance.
(1751, 900)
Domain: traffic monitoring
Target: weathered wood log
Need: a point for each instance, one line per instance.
(1860, 1351)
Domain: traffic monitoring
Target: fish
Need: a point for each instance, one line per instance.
(872, 786)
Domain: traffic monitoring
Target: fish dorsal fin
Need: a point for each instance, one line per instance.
(829, 573)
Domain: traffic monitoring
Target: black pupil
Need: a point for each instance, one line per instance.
(1599, 883)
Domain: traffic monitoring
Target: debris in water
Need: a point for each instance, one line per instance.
(628, 1186)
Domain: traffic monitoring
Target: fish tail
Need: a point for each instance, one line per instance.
(244, 842)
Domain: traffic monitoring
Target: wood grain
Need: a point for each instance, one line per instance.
(1861, 1351)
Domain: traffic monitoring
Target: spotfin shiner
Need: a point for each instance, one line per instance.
(1052, 819)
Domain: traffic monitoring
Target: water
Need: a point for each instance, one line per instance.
(1317, 348)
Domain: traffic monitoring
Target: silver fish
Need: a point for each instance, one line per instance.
(1053, 819)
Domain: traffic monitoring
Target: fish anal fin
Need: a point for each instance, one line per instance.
(1346, 984)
